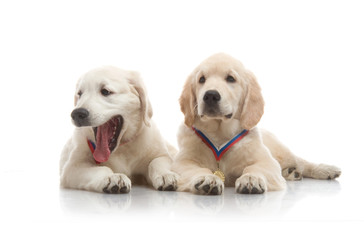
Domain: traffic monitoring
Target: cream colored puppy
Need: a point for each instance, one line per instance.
(219, 140)
(115, 138)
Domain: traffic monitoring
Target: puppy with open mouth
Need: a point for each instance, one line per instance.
(115, 139)
(219, 143)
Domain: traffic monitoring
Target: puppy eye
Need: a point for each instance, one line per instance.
(105, 92)
(79, 93)
(230, 79)
(202, 80)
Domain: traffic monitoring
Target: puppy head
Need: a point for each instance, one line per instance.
(114, 103)
(221, 88)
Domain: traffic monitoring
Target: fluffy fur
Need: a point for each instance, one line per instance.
(104, 93)
(256, 164)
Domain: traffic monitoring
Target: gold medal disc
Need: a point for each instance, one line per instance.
(220, 174)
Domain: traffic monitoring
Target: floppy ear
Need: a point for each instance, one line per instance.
(253, 104)
(145, 106)
(187, 102)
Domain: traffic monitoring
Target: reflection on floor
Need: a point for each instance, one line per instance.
(304, 199)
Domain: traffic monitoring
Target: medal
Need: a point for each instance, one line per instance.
(220, 174)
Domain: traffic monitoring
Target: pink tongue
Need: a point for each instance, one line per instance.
(102, 151)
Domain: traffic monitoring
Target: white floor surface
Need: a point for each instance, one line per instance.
(32, 207)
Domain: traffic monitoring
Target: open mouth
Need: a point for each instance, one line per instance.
(106, 136)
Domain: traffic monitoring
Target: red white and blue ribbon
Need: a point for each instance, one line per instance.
(91, 145)
(218, 153)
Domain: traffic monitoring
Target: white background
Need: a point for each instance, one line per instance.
(308, 57)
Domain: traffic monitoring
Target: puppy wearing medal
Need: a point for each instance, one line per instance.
(219, 142)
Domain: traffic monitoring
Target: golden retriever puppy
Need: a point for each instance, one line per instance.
(219, 141)
(114, 139)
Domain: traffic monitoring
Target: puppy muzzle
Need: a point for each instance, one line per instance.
(211, 101)
(211, 107)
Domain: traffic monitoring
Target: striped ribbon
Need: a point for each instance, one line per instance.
(218, 153)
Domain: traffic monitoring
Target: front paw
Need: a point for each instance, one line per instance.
(208, 185)
(166, 182)
(250, 184)
(116, 183)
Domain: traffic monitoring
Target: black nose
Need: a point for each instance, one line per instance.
(80, 117)
(211, 97)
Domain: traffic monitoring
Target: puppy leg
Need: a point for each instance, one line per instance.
(287, 160)
(83, 174)
(294, 167)
(261, 176)
(160, 175)
(318, 171)
(196, 179)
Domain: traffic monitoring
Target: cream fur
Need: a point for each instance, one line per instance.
(141, 150)
(256, 164)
